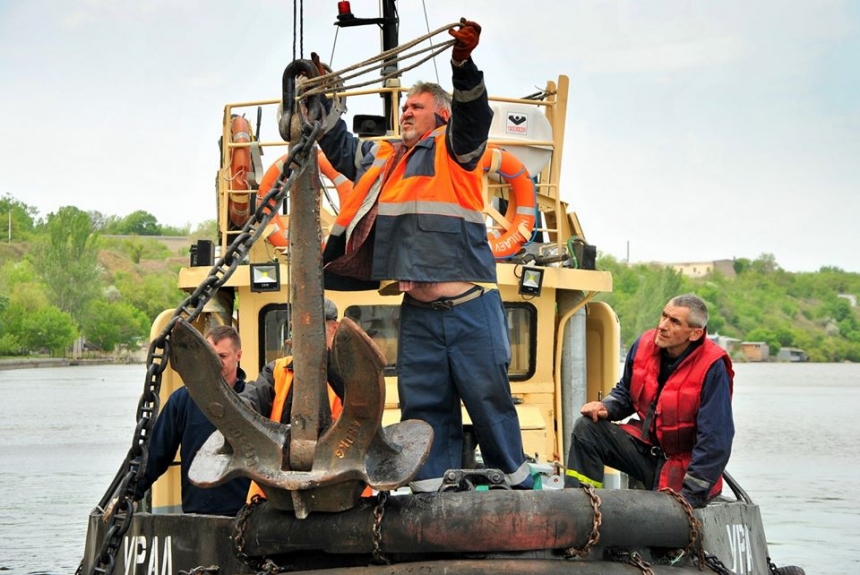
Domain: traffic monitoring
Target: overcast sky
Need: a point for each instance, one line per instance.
(697, 130)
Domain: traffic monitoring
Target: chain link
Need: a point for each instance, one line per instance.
(134, 466)
(696, 546)
(271, 568)
(201, 570)
(594, 536)
(636, 560)
(239, 527)
(378, 513)
(715, 565)
(771, 566)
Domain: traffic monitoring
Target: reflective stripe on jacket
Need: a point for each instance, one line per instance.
(419, 210)
(430, 226)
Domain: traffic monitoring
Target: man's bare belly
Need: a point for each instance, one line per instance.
(434, 291)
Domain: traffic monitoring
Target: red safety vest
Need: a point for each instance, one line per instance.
(677, 406)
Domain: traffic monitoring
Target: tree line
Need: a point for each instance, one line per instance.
(62, 277)
(814, 311)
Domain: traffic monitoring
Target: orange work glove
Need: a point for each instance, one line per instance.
(467, 39)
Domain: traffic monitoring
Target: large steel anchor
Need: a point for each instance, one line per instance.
(353, 452)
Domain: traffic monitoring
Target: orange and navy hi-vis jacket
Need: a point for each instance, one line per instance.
(283, 375)
(427, 202)
(677, 405)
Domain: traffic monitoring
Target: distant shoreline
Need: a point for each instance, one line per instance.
(33, 362)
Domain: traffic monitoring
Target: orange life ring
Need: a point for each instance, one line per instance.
(341, 183)
(278, 237)
(238, 205)
(522, 202)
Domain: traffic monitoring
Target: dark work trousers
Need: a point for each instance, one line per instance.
(461, 353)
(594, 445)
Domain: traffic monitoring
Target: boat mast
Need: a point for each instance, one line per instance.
(389, 26)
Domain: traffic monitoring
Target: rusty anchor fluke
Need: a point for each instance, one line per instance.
(353, 452)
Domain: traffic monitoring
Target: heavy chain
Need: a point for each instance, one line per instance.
(771, 566)
(636, 560)
(715, 565)
(696, 546)
(124, 485)
(239, 527)
(594, 536)
(201, 570)
(262, 565)
(378, 513)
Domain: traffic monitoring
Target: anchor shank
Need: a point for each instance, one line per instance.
(310, 411)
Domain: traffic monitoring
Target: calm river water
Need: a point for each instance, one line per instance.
(65, 431)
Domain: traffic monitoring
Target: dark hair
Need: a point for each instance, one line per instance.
(330, 309)
(220, 332)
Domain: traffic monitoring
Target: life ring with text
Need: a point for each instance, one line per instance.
(239, 204)
(522, 202)
(278, 237)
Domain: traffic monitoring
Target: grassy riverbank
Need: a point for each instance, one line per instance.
(32, 362)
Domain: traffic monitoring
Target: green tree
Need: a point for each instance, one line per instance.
(9, 344)
(17, 218)
(765, 264)
(66, 260)
(151, 294)
(206, 230)
(767, 336)
(48, 328)
(140, 223)
(109, 324)
(655, 290)
(175, 230)
(98, 219)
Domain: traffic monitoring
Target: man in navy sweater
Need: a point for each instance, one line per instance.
(181, 422)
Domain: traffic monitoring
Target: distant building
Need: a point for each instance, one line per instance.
(852, 299)
(755, 350)
(791, 354)
(701, 269)
(697, 269)
(730, 344)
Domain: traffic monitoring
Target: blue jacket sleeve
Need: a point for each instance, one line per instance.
(715, 433)
(618, 403)
(341, 149)
(471, 116)
(166, 437)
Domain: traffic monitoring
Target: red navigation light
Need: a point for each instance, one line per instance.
(344, 11)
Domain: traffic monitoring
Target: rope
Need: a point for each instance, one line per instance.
(427, 24)
(294, 30)
(325, 83)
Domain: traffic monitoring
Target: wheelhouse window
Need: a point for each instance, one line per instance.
(275, 330)
(382, 324)
(522, 327)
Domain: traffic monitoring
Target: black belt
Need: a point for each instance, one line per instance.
(446, 303)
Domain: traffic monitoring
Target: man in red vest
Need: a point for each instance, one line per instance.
(679, 384)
